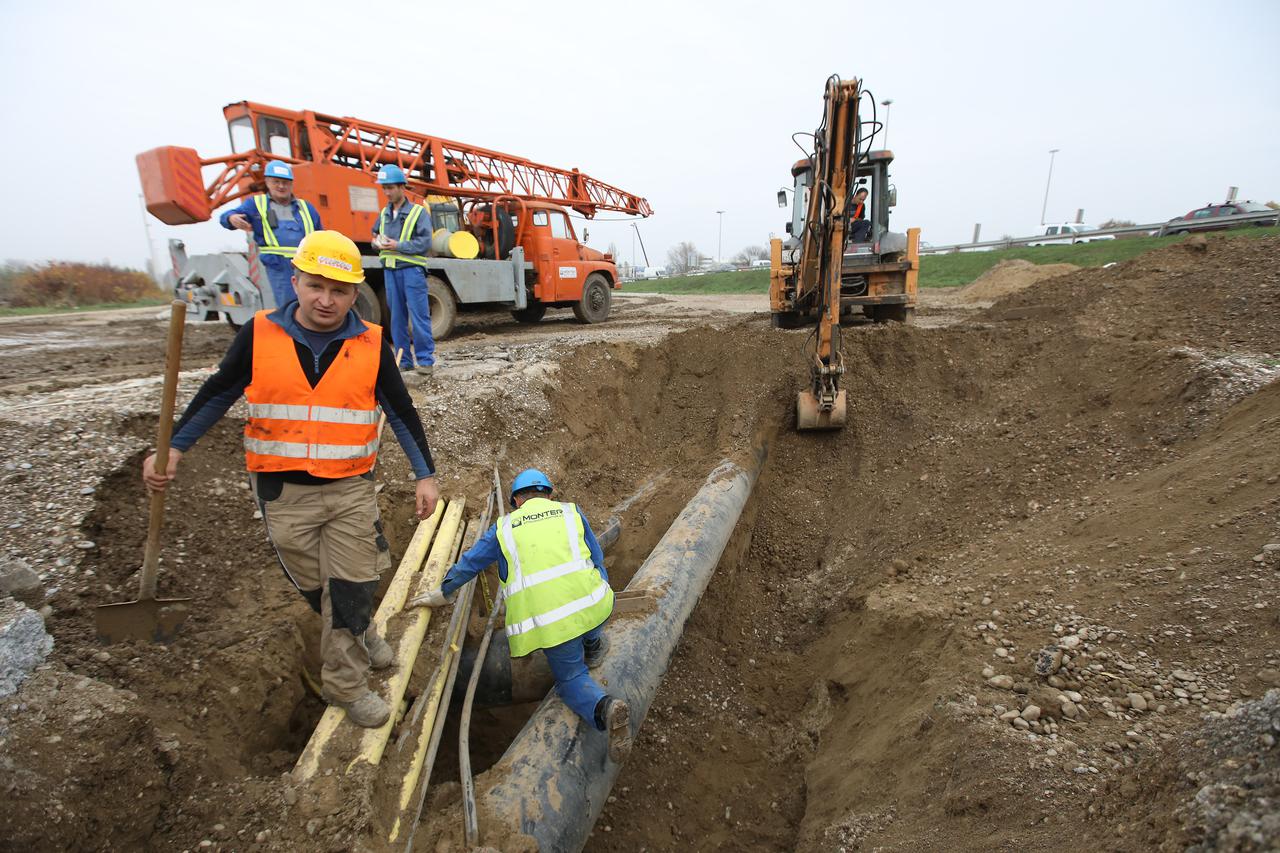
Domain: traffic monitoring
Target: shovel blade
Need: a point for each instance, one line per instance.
(151, 620)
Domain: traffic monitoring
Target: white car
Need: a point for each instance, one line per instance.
(1078, 231)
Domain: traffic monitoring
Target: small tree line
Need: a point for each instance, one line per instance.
(70, 285)
(684, 257)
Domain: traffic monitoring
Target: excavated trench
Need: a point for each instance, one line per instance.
(801, 703)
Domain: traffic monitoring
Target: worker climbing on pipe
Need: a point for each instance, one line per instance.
(317, 379)
(277, 221)
(557, 594)
(404, 274)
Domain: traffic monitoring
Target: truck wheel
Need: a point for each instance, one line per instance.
(593, 305)
(367, 306)
(444, 308)
(531, 314)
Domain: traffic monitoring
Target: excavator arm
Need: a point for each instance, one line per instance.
(822, 405)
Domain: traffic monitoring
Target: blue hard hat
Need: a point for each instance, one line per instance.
(279, 169)
(529, 478)
(391, 175)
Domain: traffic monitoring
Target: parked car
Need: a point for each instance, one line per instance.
(1078, 231)
(1213, 211)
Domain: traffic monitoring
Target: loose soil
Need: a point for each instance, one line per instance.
(1082, 476)
(1009, 277)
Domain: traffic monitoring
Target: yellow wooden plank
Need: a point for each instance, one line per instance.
(398, 590)
(431, 716)
(374, 741)
(322, 738)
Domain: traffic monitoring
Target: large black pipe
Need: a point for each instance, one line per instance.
(551, 784)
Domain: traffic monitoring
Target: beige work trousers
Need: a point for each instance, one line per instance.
(325, 538)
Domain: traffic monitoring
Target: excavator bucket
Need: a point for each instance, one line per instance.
(810, 415)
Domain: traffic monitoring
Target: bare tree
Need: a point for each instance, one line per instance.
(749, 254)
(613, 250)
(683, 257)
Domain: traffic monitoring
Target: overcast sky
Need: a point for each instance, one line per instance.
(1157, 107)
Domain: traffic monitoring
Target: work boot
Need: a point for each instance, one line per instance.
(616, 717)
(425, 370)
(594, 652)
(380, 654)
(369, 711)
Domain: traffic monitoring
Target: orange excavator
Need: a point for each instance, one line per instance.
(840, 256)
(518, 209)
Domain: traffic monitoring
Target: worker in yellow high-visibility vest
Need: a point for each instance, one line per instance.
(557, 594)
(402, 237)
(277, 221)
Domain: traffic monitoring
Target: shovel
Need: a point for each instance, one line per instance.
(152, 619)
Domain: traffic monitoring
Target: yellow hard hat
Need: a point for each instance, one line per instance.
(330, 254)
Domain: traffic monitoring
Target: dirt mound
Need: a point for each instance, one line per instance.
(998, 491)
(1009, 277)
(1221, 295)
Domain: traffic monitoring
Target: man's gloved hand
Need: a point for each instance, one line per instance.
(435, 598)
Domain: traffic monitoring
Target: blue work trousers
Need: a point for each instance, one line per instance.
(406, 288)
(574, 684)
(280, 274)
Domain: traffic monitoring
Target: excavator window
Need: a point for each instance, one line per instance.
(241, 131)
(274, 136)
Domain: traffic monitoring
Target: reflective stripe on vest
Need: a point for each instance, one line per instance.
(321, 414)
(390, 258)
(330, 430)
(549, 604)
(273, 246)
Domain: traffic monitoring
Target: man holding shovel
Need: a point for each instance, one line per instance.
(317, 378)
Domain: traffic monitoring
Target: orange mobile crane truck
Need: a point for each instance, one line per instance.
(531, 260)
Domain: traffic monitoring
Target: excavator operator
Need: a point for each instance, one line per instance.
(860, 227)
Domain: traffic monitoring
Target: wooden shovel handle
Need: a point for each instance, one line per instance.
(172, 358)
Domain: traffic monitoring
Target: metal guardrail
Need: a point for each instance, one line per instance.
(1158, 229)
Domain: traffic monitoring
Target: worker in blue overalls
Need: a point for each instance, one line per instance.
(278, 222)
(403, 238)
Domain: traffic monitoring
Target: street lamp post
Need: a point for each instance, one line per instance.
(887, 103)
(720, 238)
(1045, 206)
